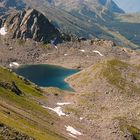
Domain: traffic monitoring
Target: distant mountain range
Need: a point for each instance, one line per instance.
(6, 5)
(93, 4)
(86, 18)
(129, 6)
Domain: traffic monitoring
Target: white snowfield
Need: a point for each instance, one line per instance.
(73, 131)
(95, 51)
(3, 31)
(57, 110)
(65, 103)
(14, 65)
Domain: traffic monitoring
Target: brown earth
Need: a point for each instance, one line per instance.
(67, 54)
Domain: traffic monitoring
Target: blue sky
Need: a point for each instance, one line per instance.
(129, 5)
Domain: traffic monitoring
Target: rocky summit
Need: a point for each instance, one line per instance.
(29, 24)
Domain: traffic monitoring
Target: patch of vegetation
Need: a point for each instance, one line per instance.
(115, 72)
(54, 90)
(8, 77)
(93, 116)
(45, 45)
(103, 108)
(86, 80)
(85, 77)
(125, 126)
(75, 111)
(134, 131)
(30, 129)
(132, 74)
(23, 112)
(112, 73)
(21, 42)
(138, 67)
(87, 99)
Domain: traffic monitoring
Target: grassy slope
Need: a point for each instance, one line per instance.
(119, 76)
(23, 113)
(114, 71)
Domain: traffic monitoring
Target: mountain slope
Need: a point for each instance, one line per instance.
(109, 99)
(109, 4)
(89, 19)
(90, 8)
(130, 18)
(22, 112)
(117, 78)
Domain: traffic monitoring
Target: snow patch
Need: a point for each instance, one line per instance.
(81, 118)
(65, 103)
(65, 54)
(53, 43)
(3, 31)
(55, 46)
(82, 51)
(14, 65)
(57, 110)
(72, 130)
(95, 51)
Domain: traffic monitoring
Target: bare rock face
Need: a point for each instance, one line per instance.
(13, 87)
(30, 24)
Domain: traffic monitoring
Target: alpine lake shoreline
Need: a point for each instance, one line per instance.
(33, 72)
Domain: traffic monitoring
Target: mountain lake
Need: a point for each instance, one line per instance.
(45, 75)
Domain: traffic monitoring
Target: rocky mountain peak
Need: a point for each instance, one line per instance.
(30, 24)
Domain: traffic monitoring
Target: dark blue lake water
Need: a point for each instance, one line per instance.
(47, 75)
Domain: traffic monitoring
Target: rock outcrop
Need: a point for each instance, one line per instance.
(30, 24)
(13, 87)
(9, 133)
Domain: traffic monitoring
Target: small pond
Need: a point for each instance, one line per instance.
(45, 75)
